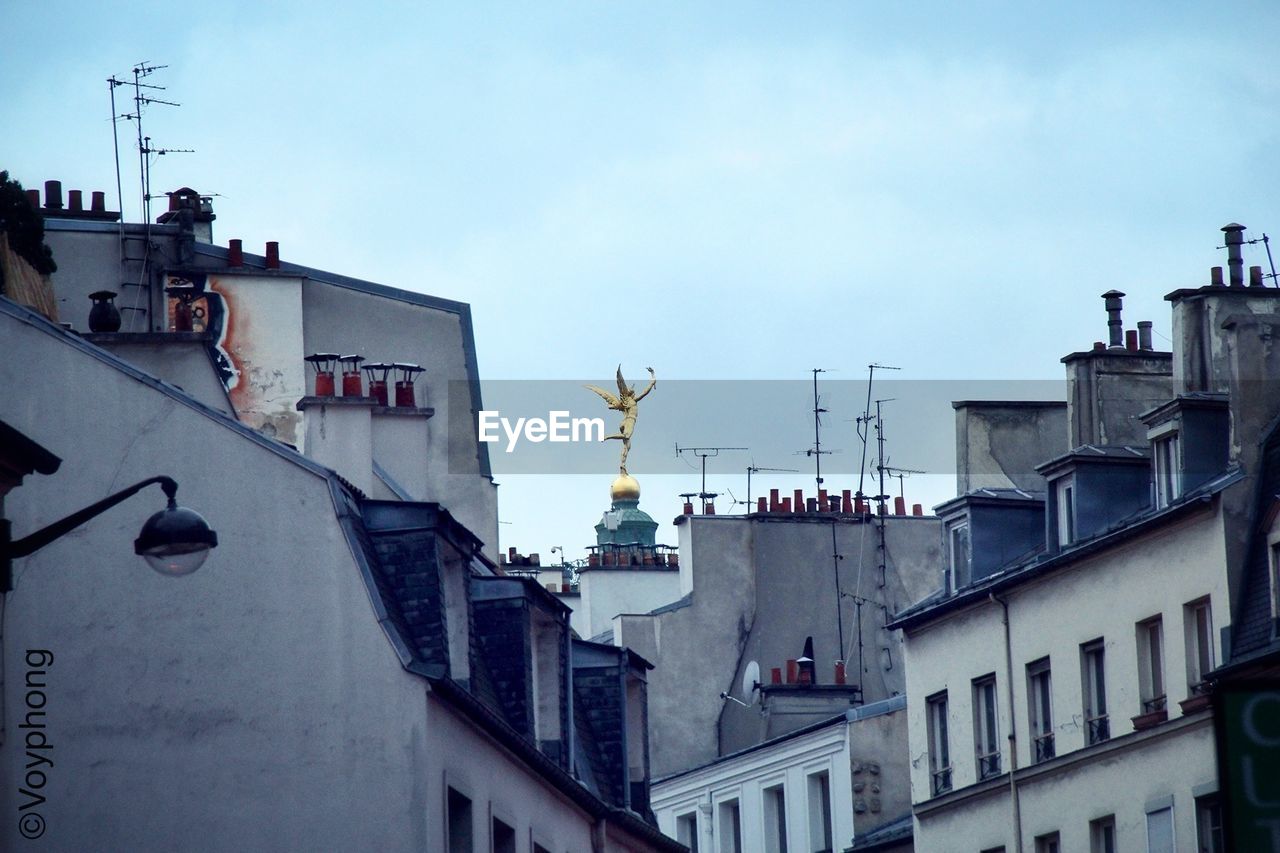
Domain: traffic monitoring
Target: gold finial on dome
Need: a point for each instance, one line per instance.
(625, 488)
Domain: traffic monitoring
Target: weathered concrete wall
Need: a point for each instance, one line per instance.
(88, 258)
(1107, 390)
(696, 649)
(880, 784)
(1109, 594)
(999, 444)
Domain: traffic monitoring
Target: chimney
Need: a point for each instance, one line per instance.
(1115, 326)
(1144, 336)
(775, 502)
(762, 504)
(1235, 261)
(33, 199)
(273, 255)
(323, 363)
(99, 202)
(53, 195)
(352, 385)
(75, 202)
(1215, 276)
(405, 397)
(1255, 276)
(1131, 340)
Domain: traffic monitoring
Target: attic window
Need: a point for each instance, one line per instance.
(1164, 454)
(1064, 492)
(957, 556)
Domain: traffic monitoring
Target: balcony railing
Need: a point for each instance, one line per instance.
(988, 765)
(1154, 704)
(1098, 729)
(1044, 747)
(941, 781)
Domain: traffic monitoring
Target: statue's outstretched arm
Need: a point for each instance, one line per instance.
(653, 380)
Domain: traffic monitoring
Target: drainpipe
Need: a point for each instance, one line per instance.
(1013, 737)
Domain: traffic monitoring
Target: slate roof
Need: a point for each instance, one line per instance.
(1023, 569)
(1253, 632)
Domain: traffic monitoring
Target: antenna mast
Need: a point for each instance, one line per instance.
(754, 469)
(703, 453)
(864, 419)
(816, 451)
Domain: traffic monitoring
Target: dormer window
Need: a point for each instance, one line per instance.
(1064, 492)
(1164, 456)
(957, 555)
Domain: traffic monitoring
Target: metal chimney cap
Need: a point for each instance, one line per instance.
(1112, 294)
(1233, 226)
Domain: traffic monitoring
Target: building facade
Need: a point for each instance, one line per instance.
(1058, 685)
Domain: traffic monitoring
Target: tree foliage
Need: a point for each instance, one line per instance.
(24, 226)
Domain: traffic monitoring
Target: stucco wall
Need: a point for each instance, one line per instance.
(339, 319)
(186, 365)
(238, 708)
(1102, 596)
(607, 592)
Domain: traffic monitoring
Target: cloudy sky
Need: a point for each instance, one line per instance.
(729, 190)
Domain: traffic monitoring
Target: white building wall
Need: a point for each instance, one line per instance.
(1102, 596)
(607, 592)
(746, 777)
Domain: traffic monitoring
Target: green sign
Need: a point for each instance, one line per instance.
(1248, 722)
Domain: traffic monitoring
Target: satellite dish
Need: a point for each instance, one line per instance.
(751, 683)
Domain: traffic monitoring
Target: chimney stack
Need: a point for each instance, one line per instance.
(235, 253)
(273, 255)
(1144, 336)
(53, 195)
(1255, 276)
(1235, 260)
(1114, 301)
(1215, 276)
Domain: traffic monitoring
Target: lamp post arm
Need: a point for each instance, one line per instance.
(30, 544)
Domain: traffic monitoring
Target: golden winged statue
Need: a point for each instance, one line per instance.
(627, 402)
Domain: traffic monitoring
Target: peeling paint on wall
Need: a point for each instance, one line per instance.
(259, 325)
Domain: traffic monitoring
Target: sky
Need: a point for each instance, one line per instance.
(728, 191)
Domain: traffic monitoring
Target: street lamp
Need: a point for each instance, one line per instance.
(174, 541)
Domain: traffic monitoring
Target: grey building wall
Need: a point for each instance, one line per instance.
(760, 586)
(1107, 390)
(1000, 443)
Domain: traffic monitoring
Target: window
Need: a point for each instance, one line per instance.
(1048, 843)
(687, 830)
(820, 812)
(1093, 673)
(1209, 838)
(775, 820)
(1040, 702)
(939, 748)
(730, 830)
(458, 823)
(1102, 835)
(1197, 620)
(504, 837)
(1275, 589)
(958, 546)
(985, 732)
(1151, 664)
(1160, 831)
(1065, 495)
(1164, 454)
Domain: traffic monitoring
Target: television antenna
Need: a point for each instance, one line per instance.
(865, 419)
(704, 453)
(147, 151)
(818, 411)
(901, 474)
(755, 469)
